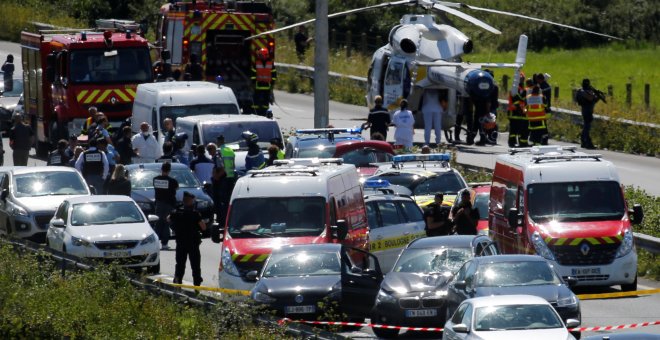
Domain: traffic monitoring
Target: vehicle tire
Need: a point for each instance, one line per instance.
(385, 333)
(630, 287)
(155, 269)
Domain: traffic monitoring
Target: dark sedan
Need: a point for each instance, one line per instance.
(142, 187)
(413, 293)
(513, 274)
(312, 281)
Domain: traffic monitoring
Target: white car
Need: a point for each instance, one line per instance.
(110, 228)
(507, 317)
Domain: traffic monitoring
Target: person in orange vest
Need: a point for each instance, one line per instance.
(518, 126)
(537, 117)
(264, 76)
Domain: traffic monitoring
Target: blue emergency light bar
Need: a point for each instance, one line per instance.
(376, 183)
(431, 157)
(353, 130)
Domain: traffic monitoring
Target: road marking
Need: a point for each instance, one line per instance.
(617, 294)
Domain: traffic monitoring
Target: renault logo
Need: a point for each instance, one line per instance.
(113, 100)
(584, 249)
(299, 298)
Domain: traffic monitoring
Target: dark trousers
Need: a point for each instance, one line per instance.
(20, 157)
(97, 182)
(183, 252)
(518, 132)
(261, 101)
(585, 137)
(538, 132)
(162, 226)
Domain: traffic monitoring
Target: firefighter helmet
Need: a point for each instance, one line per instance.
(263, 54)
(250, 136)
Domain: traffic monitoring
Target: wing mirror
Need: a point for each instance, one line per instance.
(515, 218)
(340, 230)
(572, 323)
(460, 328)
(637, 214)
(356, 270)
(252, 275)
(152, 218)
(571, 281)
(217, 233)
(57, 223)
(460, 285)
(92, 189)
(4, 194)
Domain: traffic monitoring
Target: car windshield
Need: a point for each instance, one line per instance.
(316, 150)
(276, 216)
(303, 264)
(174, 112)
(432, 260)
(49, 183)
(144, 179)
(266, 130)
(105, 213)
(575, 201)
(363, 157)
(127, 65)
(523, 273)
(515, 317)
(448, 183)
(405, 179)
(15, 91)
(481, 203)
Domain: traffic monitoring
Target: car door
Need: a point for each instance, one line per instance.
(55, 236)
(414, 219)
(455, 319)
(4, 214)
(391, 235)
(456, 295)
(360, 282)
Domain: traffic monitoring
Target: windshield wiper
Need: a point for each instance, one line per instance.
(250, 232)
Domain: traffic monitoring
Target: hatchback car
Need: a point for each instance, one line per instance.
(110, 228)
(413, 293)
(318, 280)
(507, 317)
(30, 196)
(479, 197)
(513, 274)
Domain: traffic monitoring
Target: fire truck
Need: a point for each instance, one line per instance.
(67, 71)
(216, 33)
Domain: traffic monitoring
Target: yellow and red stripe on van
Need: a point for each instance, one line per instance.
(567, 241)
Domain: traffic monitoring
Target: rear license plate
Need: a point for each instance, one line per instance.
(585, 271)
(416, 313)
(300, 309)
(119, 253)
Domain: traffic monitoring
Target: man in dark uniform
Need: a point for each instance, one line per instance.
(188, 225)
(436, 216)
(168, 154)
(165, 195)
(465, 216)
(93, 165)
(59, 157)
(378, 120)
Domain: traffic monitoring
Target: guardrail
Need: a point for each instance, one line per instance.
(647, 242)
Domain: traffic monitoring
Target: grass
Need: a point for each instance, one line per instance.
(19, 15)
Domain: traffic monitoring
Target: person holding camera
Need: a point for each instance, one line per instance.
(436, 216)
(587, 97)
(465, 216)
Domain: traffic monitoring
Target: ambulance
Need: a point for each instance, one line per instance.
(295, 201)
(568, 207)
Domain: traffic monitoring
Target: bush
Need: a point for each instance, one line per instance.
(19, 15)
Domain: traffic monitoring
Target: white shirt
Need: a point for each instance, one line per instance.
(431, 101)
(148, 148)
(404, 122)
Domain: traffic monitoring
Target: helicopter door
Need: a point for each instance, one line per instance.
(394, 82)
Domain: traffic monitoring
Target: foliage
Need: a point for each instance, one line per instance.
(18, 16)
(651, 205)
(648, 265)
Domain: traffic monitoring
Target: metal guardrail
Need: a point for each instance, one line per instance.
(647, 242)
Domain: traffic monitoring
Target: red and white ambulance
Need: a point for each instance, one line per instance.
(568, 207)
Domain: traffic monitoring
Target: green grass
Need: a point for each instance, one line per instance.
(17, 17)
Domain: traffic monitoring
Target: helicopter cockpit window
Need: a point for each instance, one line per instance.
(394, 74)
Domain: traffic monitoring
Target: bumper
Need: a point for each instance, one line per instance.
(233, 282)
(622, 271)
(26, 227)
(139, 256)
(393, 314)
(569, 312)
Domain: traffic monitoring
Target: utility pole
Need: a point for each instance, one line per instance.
(321, 94)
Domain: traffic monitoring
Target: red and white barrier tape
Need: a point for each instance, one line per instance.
(434, 329)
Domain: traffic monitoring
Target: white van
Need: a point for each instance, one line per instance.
(156, 101)
(205, 129)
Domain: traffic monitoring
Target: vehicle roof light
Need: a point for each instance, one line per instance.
(376, 183)
(432, 157)
(330, 130)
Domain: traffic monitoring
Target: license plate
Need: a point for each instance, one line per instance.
(416, 313)
(300, 309)
(585, 271)
(119, 253)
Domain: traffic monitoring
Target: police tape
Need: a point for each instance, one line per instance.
(436, 329)
(617, 294)
(209, 289)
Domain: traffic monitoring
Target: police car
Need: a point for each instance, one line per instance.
(394, 221)
(425, 175)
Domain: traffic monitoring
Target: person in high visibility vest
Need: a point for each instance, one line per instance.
(229, 180)
(518, 126)
(537, 117)
(264, 76)
(91, 120)
(255, 158)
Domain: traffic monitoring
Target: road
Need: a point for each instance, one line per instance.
(295, 111)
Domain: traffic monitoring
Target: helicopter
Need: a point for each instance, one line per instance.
(422, 54)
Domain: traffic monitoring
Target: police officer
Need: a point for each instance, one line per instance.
(229, 180)
(436, 216)
(168, 154)
(59, 157)
(93, 165)
(165, 195)
(587, 98)
(255, 158)
(465, 215)
(187, 224)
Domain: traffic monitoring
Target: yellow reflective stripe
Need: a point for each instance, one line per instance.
(122, 95)
(561, 241)
(234, 257)
(261, 258)
(246, 257)
(394, 242)
(130, 92)
(575, 242)
(548, 240)
(103, 96)
(82, 95)
(593, 240)
(608, 240)
(91, 96)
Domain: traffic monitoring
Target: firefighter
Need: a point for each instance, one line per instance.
(91, 120)
(59, 157)
(255, 158)
(264, 76)
(546, 89)
(93, 164)
(535, 109)
(518, 129)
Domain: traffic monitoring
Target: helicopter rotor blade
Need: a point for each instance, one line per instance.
(537, 19)
(334, 15)
(469, 18)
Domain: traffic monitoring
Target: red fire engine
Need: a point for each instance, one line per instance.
(216, 33)
(67, 71)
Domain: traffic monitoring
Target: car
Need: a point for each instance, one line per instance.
(9, 101)
(513, 274)
(318, 280)
(413, 293)
(425, 175)
(110, 228)
(507, 317)
(142, 187)
(364, 154)
(394, 220)
(30, 196)
(321, 143)
(479, 197)
(624, 336)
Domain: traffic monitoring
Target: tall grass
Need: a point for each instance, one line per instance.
(16, 17)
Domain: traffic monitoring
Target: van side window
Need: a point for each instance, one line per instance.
(389, 214)
(509, 198)
(521, 199)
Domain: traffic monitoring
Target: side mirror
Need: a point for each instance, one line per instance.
(57, 223)
(341, 230)
(514, 218)
(460, 328)
(637, 214)
(572, 323)
(92, 189)
(152, 218)
(217, 233)
(356, 270)
(460, 285)
(165, 54)
(571, 281)
(4, 194)
(252, 275)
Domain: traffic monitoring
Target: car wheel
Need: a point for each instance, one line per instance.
(630, 287)
(386, 333)
(155, 269)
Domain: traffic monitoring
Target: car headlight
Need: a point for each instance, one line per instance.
(201, 204)
(20, 211)
(385, 297)
(567, 301)
(79, 242)
(150, 239)
(335, 292)
(541, 247)
(145, 206)
(262, 297)
(626, 245)
(227, 264)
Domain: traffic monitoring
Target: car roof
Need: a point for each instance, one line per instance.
(224, 118)
(155, 166)
(505, 300)
(17, 170)
(99, 198)
(450, 241)
(481, 188)
(371, 195)
(309, 247)
(510, 258)
(349, 145)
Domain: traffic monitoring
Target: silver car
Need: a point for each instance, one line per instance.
(30, 196)
(9, 101)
